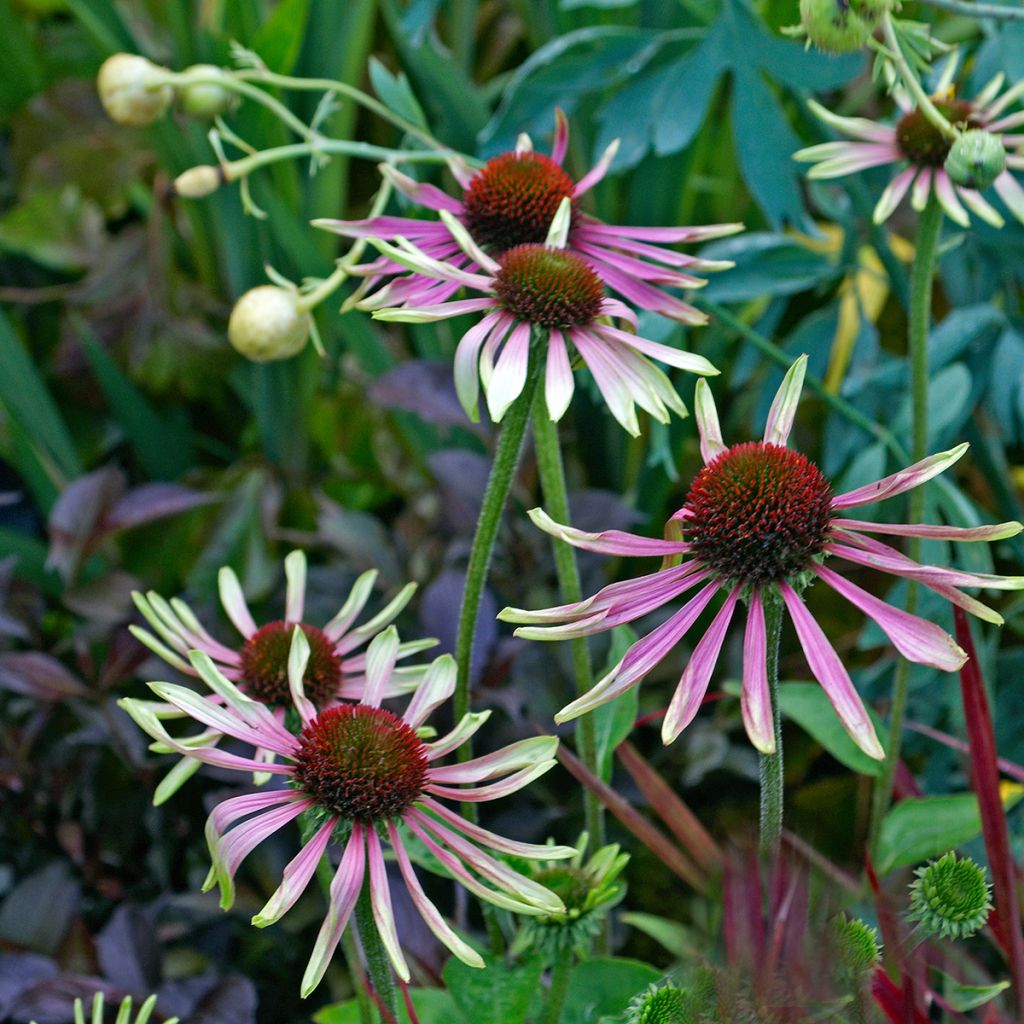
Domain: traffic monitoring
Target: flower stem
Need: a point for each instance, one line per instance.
(558, 989)
(998, 12)
(556, 501)
(771, 765)
(499, 483)
(928, 230)
(325, 875)
(377, 962)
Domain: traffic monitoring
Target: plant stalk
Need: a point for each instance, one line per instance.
(551, 470)
(377, 962)
(558, 989)
(771, 765)
(922, 275)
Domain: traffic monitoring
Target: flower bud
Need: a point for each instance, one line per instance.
(951, 897)
(204, 99)
(132, 89)
(197, 182)
(267, 324)
(976, 159)
(840, 26)
(659, 1004)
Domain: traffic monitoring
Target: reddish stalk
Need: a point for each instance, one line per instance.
(984, 771)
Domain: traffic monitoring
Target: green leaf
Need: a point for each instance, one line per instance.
(601, 987)
(670, 934)
(613, 721)
(57, 228)
(27, 400)
(808, 706)
(279, 40)
(163, 448)
(396, 94)
(22, 75)
(964, 998)
(495, 995)
(432, 1005)
(766, 264)
(917, 829)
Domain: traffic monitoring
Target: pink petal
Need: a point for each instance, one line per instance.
(296, 876)
(905, 480)
(561, 141)
(755, 697)
(697, 675)
(992, 532)
(608, 542)
(495, 790)
(834, 679)
(598, 171)
(380, 903)
(558, 382)
(509, 372)
(894, 193)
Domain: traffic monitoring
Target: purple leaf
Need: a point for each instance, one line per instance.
(52, 1001)
(150, 502)
(38, 675)
(439, 616)
(360, 536)
(18, 972)
(38, 911)
(462, 479)
(76, 516)
(106, 599)
(425, 388)
(128, 952)
(231, 1001)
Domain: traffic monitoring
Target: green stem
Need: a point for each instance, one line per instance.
(377, 962)
(558, 989)
(556, 502)
(771, 765)
(995, 11)
(922, 275)
(325, 875)
(499, 484)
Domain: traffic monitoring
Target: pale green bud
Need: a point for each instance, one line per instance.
(204, 99)
(132, 89)
(976, 159)
(267, 324)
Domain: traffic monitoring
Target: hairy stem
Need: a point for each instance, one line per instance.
(556, 501)
(377, 962)
(771, 765)
(923, 273)
(558, 989)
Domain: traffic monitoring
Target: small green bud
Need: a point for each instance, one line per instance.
(132, 89)
(659, 1004)
(267, 324)
(976, 159)
(840, 26)
(204, 99)
(950, 897)
(857, 945)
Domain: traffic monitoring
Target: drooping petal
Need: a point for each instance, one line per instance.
(830, 672)
(988, 533)
(430, 914)
(345, 888)
(979, 205)
(755, 697)
(380, 903)
(711, 443)
(1011, 193)
(608, 542)
(947, 196)
(915, 638)
(905, 480)
(558, 380)
(663, 353)
(466, 368)
(494, 790)
(922, 189)
(509, 372)
(893, 194)
(697, 675)
(298, 659)
(296, 876)
(514, 757)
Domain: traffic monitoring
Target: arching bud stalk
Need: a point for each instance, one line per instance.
(133, 90)
(200, 94)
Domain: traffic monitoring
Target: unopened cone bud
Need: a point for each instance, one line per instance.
(840, 26)
(132, 89)
(976, 159)
(267, 324)
(204, 99)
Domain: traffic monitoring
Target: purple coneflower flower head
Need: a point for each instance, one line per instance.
(336, 668)
(536, 291)
(510, 201)
(920, 150)
(361, 776)
(759, 524)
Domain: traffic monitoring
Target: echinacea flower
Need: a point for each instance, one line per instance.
(758, 525)
(511, 201)
(361, 774)
(546, 290)
(920, 150)
(259, 664)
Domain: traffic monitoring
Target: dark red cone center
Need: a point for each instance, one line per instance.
(921, 142)
(513, 199)
(265, 665)
(759, 513)
(548, 287)
(360, 762)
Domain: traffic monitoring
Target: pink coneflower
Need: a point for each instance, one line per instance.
(546, 288)
(259, 664)
(920, 149)
(511, 201)
(358, 774)
(758, 525)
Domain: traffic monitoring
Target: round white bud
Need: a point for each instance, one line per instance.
(267, 324)
(132, 89)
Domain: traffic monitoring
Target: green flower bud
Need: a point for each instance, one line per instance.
(950, 897)
(267, 324)
(659, 1004)
(132, 89)
(204, 99)
(976, 159)
(840, 26)
(857, 945)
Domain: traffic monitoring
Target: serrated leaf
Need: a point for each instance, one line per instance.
(395, 92)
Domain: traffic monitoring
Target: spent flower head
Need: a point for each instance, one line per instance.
(760, 522)
(360, 775)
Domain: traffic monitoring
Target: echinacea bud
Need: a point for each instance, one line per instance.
(951, 897)
(857, 945)
(659, 1004)
(133, 90)
(840, 26)
(205, 99)
(976, 159)
(267, 324)
(197, 182)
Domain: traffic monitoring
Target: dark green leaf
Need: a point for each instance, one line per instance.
(495, 995)
(601, 987)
